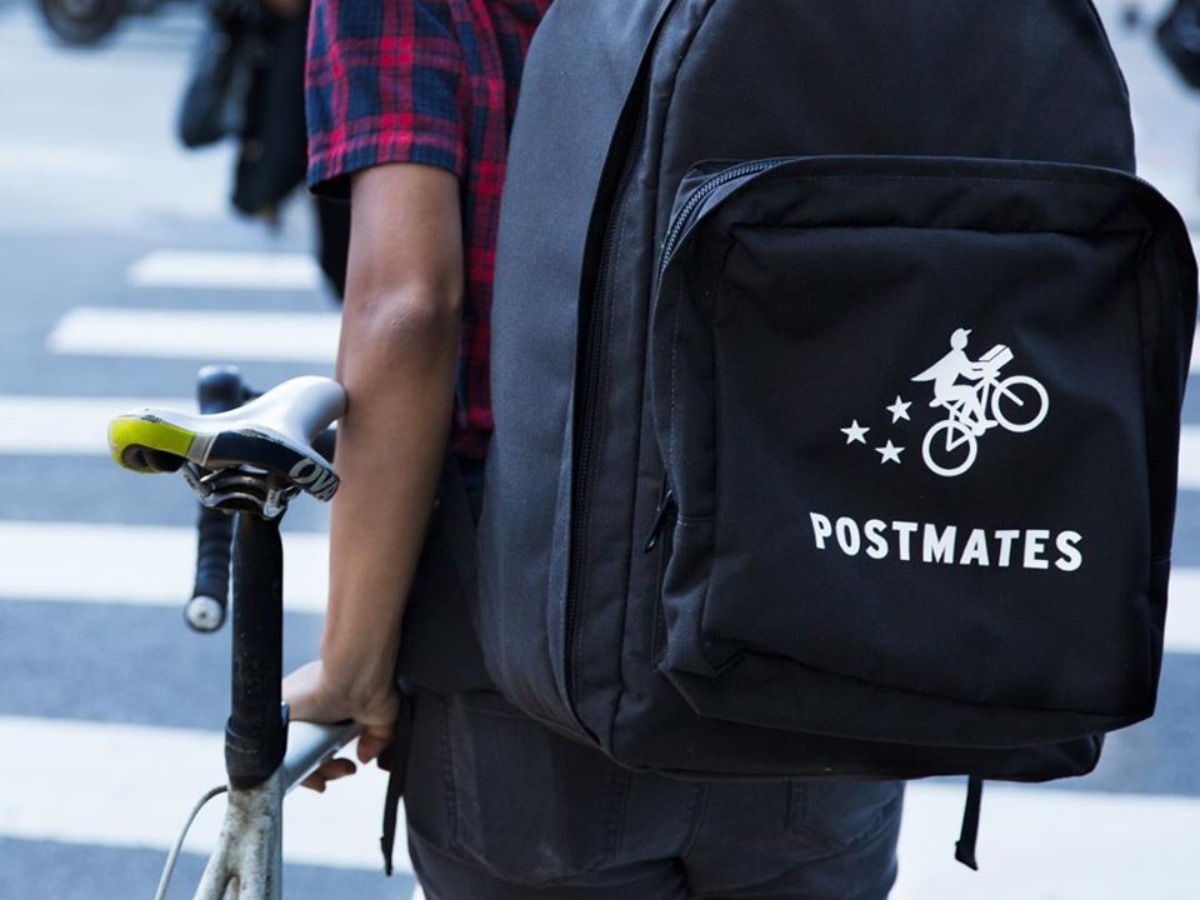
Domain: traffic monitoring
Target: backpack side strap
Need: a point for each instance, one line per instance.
(964, 849)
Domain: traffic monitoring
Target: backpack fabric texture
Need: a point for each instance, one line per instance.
(838, 360)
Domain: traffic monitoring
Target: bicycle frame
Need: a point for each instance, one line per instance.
(248, 855)
(261, 769)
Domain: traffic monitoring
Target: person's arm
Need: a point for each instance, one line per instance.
(396, 360)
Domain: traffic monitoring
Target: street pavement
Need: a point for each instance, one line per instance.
(124, 271)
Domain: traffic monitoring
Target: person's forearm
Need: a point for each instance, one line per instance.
(391, 445)
(396, 360)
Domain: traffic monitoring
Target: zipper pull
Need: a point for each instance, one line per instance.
(665, 508)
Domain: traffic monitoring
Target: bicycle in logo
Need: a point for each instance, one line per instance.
(1017, 403)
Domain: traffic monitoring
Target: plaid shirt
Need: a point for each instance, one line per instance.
(432, 82)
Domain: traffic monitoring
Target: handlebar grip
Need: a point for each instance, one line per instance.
(309, 745)
(205, 611)
(219, 389)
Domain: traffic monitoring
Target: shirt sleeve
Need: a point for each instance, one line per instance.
(383, 83)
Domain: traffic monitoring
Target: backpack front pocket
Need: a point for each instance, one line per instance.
(920, 421)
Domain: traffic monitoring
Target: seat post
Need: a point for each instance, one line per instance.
(256, 733)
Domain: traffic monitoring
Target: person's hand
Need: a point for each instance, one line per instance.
(313, 695)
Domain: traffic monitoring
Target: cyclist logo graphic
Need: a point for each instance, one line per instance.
(975, 400)
(970, 390)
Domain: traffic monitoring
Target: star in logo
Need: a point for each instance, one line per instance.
(855, 434)
(889, 453)
(899, 410)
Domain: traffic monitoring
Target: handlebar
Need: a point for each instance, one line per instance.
(218, 389)
(309, 745)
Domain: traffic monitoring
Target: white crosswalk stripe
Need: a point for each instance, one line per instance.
(208, 335)
(19, 158)
(101, 768)
(1189, 459)
(69, 426)
(1043, 844)
(238, 271)
(135, 564)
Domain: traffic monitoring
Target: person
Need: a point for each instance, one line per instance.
(949, 391)
(247, 83)
(409, 106)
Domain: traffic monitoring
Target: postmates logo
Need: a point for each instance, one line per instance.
(973, 398)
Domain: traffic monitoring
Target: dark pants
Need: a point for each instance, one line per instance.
(499, 808)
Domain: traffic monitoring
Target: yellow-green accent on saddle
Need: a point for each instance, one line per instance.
(127, 435)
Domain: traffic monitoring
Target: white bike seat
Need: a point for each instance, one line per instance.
(273, 432)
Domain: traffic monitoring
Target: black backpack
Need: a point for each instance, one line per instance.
(837, 367)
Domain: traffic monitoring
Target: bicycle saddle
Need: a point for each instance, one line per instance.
(273, 432)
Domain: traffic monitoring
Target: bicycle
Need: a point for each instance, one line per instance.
(246, 457)
(1017, 403)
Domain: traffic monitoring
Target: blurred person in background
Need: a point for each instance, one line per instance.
(247, 84)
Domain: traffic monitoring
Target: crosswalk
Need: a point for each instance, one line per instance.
(1037, 843)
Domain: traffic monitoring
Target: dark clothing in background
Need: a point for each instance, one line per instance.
(247, 84)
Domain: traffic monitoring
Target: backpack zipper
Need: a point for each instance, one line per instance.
(681, 220)
(701, 193)
(588, 411)
(667, 508)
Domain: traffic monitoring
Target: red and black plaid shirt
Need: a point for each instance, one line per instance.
(432, 82)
